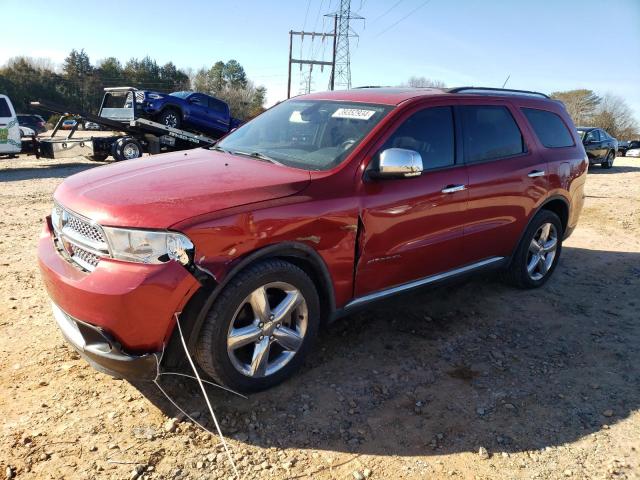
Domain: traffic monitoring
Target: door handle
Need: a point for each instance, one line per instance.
(454, 188)
(536, 173)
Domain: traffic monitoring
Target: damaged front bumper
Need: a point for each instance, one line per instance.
(102, 352)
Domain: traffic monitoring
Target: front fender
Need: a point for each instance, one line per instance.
(326, 229)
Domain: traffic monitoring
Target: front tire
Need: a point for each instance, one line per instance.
(260, 327)
(538, 253)
(170, 117)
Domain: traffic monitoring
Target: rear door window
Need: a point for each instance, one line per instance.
(489, 133)
(593, 136)
(549, 127)
(217, 105)
(430, 133)
(5, 111)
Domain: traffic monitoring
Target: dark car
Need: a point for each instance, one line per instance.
(631, 145)
(622, 147)
(32, 121)
(318, 207)
(600, 146)
(188, 110)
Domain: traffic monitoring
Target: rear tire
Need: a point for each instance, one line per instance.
(98, 157)
(170, 117)
(241, 330)
(608, 162)
(538, 253)
(126, 148)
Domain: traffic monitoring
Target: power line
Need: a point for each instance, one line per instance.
(387, 12)
(403, 18)
(304, 25)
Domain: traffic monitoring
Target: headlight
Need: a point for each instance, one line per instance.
(145, 246)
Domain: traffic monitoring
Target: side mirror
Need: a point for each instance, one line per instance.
(398, 163)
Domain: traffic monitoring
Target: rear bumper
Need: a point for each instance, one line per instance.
(102, 352)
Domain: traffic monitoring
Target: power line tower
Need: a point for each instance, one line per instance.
(310, 61)
(344, 32)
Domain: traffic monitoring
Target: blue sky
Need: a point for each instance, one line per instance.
(544, 45)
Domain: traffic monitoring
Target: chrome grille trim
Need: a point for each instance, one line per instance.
(85, 259)
(82, 240)
(85, 229)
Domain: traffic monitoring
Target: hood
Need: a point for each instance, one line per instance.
(161, 190)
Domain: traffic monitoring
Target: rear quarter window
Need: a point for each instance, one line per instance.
(489, 133)
(5, 111)
(549, 127)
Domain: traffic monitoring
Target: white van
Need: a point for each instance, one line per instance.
(9, 129)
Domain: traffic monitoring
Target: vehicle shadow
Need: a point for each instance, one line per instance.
(452, 369)
(44, 170)
(615, 169)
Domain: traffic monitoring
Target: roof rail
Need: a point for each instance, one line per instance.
(498, 91)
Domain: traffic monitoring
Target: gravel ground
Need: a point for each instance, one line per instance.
(476, 380)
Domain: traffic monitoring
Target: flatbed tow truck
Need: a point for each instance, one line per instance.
(132, 134)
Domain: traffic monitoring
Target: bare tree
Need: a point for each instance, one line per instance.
(581, 105)
(614, 115)
(421, 82)
(38, 63)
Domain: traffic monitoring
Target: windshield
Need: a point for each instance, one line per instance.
(313, 135)
(180, 94)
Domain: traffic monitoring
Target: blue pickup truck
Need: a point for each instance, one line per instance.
(187, 110)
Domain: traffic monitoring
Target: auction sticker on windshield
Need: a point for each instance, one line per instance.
(353, 113)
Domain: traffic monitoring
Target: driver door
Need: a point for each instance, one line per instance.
(199, 111)
(413, 227)
(593, 146)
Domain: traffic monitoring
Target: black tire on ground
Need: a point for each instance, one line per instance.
(126, 148)
(99, 157)
(516, 273)
(211, 348)
(170, 117)
(608, 161)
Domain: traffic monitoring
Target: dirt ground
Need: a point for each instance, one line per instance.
(472, 381)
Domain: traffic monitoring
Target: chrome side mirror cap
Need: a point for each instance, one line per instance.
(398, 163)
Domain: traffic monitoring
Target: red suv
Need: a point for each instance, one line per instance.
(319, 206)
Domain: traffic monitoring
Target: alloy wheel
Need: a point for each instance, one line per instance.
(267, 329)
(542, 251)
(171, 120)
(130, 151)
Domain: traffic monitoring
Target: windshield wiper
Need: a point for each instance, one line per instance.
(258, 155)
(220, 149)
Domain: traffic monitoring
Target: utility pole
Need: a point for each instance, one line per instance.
(311, 62)
(342, 53)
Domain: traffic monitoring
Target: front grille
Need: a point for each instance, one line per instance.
(84, 258)
(85, 229)
(81, 241)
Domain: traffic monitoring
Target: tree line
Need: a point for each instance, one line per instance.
(79, 85)
(586, 108)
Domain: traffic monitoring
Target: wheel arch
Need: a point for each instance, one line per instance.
(556, 204)
(172, 106)
(299, 254)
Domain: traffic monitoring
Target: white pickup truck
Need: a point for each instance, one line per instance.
(10, 143)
